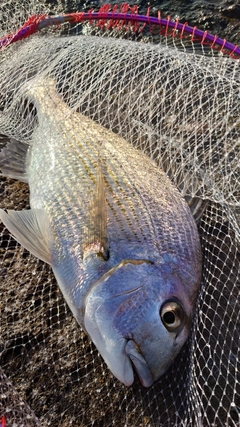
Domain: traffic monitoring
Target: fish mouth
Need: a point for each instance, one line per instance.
(139, 363)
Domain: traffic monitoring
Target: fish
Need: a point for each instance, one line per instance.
(120, 238)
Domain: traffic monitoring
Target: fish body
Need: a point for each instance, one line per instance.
(121, 240)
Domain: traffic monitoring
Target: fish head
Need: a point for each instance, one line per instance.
(139, 316)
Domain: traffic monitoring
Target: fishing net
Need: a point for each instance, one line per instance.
(178, 101)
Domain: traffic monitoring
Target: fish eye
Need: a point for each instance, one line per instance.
(172, 315)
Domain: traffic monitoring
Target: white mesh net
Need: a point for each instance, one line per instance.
(182, 108)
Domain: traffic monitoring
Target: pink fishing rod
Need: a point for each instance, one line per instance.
(119, 17)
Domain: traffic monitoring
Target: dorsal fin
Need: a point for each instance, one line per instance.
(95, 236)
(31, 228)
(13, 160)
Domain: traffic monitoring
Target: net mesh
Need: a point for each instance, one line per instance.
(180, 106)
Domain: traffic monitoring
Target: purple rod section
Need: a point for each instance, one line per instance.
(38, 23)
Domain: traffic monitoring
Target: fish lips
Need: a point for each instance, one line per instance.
(102, 304)
(120, 354)
(110, 345)
(139, 363)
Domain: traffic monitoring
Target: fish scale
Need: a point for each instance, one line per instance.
(121, 240)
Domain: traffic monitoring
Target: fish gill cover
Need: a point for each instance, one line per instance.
(177, 100)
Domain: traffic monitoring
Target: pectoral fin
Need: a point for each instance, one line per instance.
(95, 239)
(31, 228)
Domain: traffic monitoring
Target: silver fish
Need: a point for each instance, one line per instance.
(120, 238)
